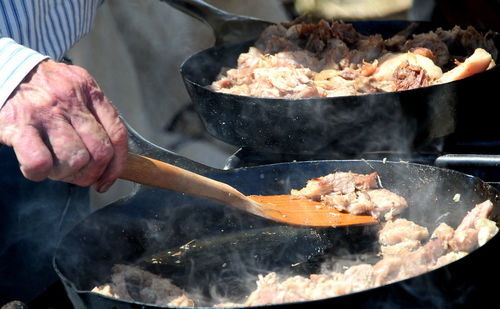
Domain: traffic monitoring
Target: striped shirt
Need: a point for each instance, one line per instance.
(33, 30)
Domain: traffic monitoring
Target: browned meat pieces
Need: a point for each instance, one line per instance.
(430, 41)
(146, 287)
(444, 246)
(386, 203)
(400, 237)
(412, 252)
(401, 230)
(340, 182)
(272, 290)
(409, 76)
(474, 229)
(353, 193)
(303, 59)
(355, 203)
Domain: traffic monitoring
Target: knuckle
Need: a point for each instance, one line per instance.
(78, 160)
(119, 134)
(37, 169)
(103, 154)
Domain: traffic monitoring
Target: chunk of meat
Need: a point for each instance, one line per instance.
(408, 76)
(439, 52)
(399, 268)
(401, 248)
(340, 182)
(355, 203)
(486, 230)
(270, 290)
(376, 202)
(480, 211)
(134, 284)
(401, 230)
(448, 258)
(386, 203)
(389, 63)
(465, 41)
(478, 62)
(445, 245)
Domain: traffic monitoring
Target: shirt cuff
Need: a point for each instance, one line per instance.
(16, 61)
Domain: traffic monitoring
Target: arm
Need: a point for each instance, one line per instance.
(58, 121)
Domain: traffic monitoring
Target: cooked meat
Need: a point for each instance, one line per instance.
(486, 230)
(463, 42)
(448, 258)
(444, 246)
(352, 193)
(386, 202)
(401, 248)
(409, 76)
(400, 230)
(389, 63)
(302, 59)
(479, 61)
(340, 182)
(440, 54)
(405, 256)
(271, 290)
(481, 211)
(400, 237)
(355, 203)
(135, 284)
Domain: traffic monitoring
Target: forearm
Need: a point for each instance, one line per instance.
(16, 61)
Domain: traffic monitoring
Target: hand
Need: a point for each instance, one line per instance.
(62, 127)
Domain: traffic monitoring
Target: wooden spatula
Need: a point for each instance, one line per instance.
(281, 208)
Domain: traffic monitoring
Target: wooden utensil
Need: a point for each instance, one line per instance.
(281, 208)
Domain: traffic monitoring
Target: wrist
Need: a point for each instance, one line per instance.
(16, 61)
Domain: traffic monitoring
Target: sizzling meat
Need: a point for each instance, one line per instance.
(353, 193)
(301, 59)
(135, 284)
(406, 251)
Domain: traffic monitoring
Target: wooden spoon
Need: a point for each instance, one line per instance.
(281, 208)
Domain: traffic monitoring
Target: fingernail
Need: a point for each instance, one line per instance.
(104, 187)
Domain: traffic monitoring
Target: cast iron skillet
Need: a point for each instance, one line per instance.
(227, 249)
(395, 121)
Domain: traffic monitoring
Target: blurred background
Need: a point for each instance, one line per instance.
(136, 48)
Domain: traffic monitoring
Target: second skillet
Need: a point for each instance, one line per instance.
(395, 121)
(209, 249)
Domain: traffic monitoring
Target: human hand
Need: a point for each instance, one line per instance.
(63, 127)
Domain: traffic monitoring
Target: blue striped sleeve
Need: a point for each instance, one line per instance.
(16, 61)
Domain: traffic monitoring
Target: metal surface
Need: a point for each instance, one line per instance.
(228, 244)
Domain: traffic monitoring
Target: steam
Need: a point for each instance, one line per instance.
(35, 217)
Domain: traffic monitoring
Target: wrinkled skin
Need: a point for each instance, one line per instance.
(62, 127)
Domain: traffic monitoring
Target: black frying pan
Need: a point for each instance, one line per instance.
(395, 121)
(229, 248)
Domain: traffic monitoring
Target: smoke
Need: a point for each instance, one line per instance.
(34, 217)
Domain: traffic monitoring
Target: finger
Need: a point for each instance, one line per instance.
(108, 117)
(33, 155)
(96, 141)
(70, 154)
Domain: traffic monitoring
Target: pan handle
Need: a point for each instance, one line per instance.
(200, 10)
(468, 160)
(139, 145)
(228, 28)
